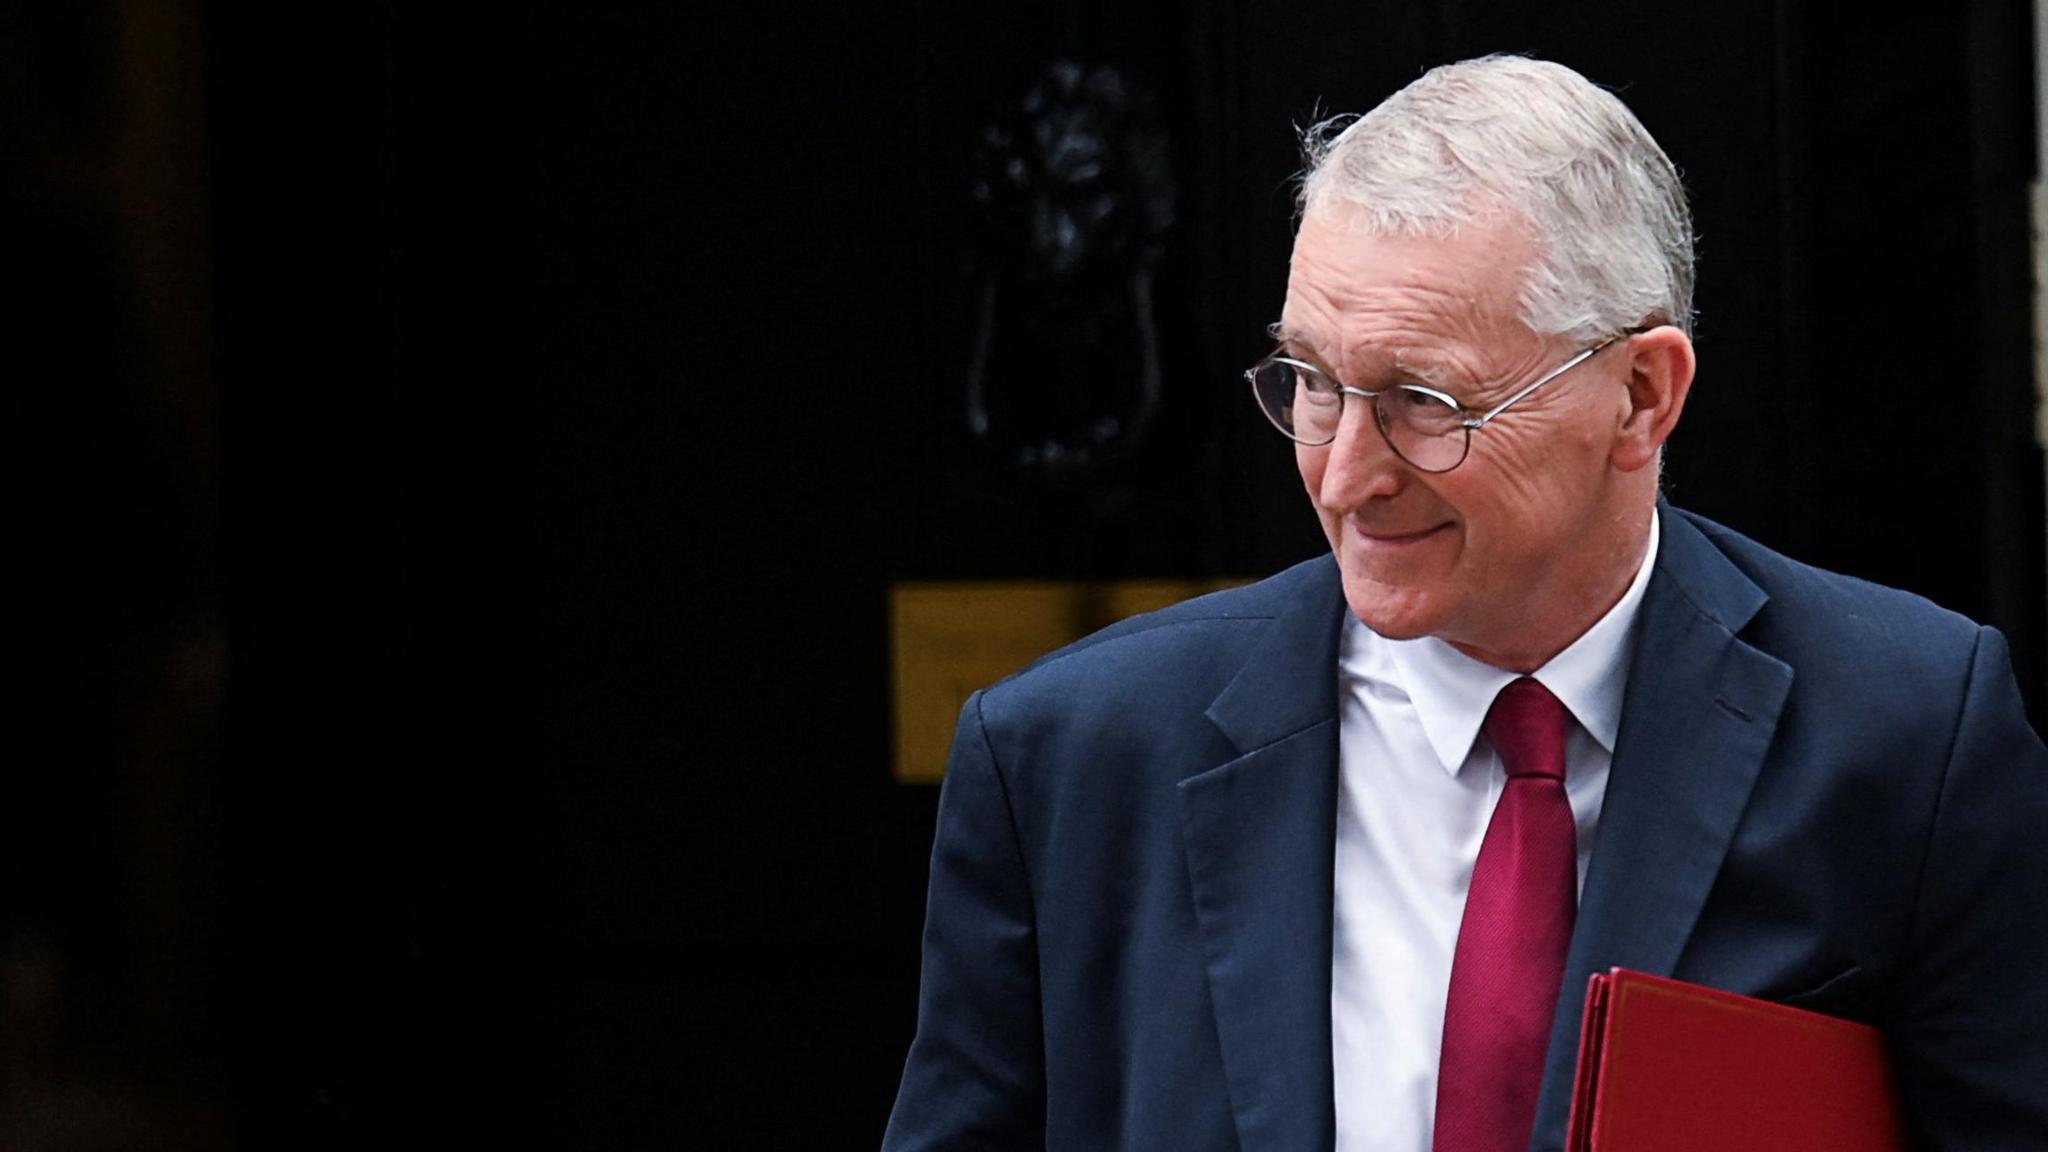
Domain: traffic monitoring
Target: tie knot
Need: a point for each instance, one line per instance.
(1526, 726)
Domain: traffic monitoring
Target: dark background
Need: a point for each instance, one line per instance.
(442, 708)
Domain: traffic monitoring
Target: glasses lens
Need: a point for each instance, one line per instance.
(1423, 426)
(1298, 400)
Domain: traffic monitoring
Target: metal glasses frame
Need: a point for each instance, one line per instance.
(1468, 424)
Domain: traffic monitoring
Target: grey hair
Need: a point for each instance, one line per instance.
(1613, 235)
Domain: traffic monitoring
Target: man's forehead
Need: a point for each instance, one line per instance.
(1425, 305)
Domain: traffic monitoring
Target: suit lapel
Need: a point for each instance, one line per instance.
(1259, 832)
(1698, 717)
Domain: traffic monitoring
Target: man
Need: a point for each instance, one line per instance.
(1327, 861)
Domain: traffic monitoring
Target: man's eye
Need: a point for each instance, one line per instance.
(1318, 387)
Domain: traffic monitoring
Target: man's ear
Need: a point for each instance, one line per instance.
(1660, 367)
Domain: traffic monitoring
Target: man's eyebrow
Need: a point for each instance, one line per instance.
(1428, 369)
(1292, 343)
(1301, 346)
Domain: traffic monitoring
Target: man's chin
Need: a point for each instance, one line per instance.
(1396, 618)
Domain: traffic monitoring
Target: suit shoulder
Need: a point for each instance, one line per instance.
(1852, 618)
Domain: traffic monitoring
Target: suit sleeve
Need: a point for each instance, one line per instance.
(976, 1072)
(1971, 1035)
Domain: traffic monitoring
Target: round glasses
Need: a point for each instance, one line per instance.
(1427, 428)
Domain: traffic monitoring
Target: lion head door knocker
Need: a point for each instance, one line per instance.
(1074, 200)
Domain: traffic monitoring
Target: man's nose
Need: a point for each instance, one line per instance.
(1361, 464)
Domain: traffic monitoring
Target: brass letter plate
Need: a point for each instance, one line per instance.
(948, 639)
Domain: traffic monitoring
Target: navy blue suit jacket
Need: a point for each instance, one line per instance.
(1824, 792)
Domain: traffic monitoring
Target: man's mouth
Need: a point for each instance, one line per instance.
(1388, 537)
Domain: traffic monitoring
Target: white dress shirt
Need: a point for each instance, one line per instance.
(1416, 788)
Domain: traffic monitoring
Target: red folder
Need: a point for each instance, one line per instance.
(1666, 1066)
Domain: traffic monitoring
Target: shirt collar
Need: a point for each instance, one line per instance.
(1452, 692)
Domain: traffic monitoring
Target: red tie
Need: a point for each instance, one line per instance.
(1511, 944)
